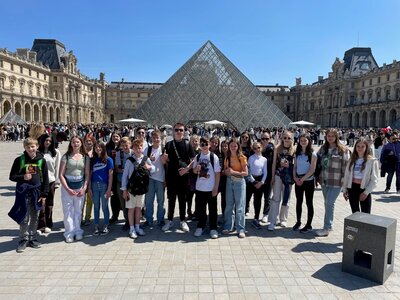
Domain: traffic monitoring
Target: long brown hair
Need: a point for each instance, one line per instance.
(103, 155)
(341, 148)
(354, 155)
(239, 151)
(81, 149)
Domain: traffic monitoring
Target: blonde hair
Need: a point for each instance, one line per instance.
(29, 141)
(125, 140)
(37, 130)
(291, 149)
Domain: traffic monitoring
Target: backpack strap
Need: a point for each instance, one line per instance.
(149, 148)
(21, 162)
(211, 159)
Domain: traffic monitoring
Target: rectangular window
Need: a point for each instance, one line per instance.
(379, 80)
(398, 75)
(55, 78)
(370, 81)
(387, 77)
(1, 64)
(21, 70)
(12, 67)
(37, 74)
(387, 94)
(45, 77)
(30, 72)
(363, 84)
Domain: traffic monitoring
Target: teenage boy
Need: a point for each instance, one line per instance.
(120, 159)
(133, 203)
(206, 166)
(156, 183)
(178, 154)
(30, 173)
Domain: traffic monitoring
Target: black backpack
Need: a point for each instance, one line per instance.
(139, 180)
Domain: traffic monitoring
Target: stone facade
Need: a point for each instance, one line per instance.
(123, 98)
(357, 93)
(44, 84)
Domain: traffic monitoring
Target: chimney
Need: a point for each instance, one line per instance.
(320, 78)
(23, 52)
(32, 55)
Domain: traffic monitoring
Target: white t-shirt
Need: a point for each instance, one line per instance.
(159, 173)
(206, 178)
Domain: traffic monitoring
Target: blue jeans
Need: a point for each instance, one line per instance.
(235, 204)
(155, 188)
(99, 189)
(330, 196)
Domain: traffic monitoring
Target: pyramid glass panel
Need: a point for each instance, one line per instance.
(209, 87)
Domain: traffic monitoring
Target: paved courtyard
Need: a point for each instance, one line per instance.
(265, 265)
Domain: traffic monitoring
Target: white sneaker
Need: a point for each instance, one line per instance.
(271, 227)
(214, 234)
(283, 224)
(264, 219)
(168, 225)
(132, 234)
(39, 232)
(184, 226)
(198, 232)
(322, 232)
(47, 230)
(69, 240)
(140, 232)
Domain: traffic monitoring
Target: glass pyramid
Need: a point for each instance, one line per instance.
(209, 87)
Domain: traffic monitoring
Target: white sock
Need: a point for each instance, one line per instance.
(132, 228)
(137, 227)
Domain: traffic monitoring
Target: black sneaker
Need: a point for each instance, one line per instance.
(96, 230)
(113, 220)
(256, 224)
(34, 244)
(296, 226)
(105, 231)
(306, 229)
(126, 226)
(22, 246)
(147, 225)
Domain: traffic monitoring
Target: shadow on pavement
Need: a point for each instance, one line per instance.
(332, 273)
(318, 247)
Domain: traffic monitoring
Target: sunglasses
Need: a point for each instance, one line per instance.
(203, 144)
(141, 132)
(257, 148)
(245, 137)
(178, 130)
(265, 139)
(287, 138)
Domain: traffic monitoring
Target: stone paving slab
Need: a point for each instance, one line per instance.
(265, 265)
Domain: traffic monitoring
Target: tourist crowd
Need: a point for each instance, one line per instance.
(128, 169)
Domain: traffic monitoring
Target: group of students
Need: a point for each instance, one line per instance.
(93, 172)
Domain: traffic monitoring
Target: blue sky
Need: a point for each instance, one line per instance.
(269, 41)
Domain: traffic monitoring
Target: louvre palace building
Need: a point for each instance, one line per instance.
(44, 84)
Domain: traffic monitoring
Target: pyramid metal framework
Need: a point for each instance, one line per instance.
(207, 87)
(11, 117)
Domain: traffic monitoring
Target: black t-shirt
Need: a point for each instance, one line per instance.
(185, 152)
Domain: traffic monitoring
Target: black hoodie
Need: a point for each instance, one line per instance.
(17, 174)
